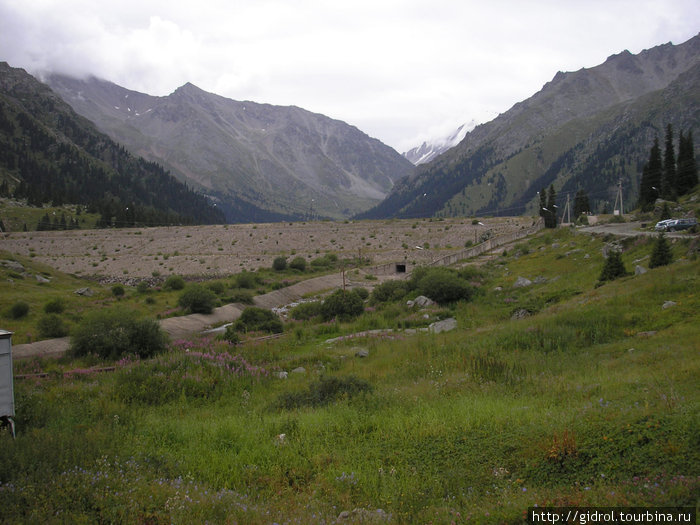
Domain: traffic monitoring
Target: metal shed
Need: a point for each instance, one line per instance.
(7, 391)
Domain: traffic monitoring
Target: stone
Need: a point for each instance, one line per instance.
(422, 301)
(362, 352)
(587, 256)
(443, 326)
(41, 279)
(639, 270)
(282, 374)
(522, 282)
(521, 313)
(13, 265)
(540, 280)
(669, 304)
(85, 292)
(299, 370)
(498, 289)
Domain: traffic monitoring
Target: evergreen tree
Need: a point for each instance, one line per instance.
(613, 267)
(687, 173)
(581, 203)
(668, 181)
(550, 214)
(543, 203)
(650, 186)
(665, 212)
(661, 254)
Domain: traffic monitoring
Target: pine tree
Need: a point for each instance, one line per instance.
(581, 203)
(661, 254)
(550, 216)
(651, 178)
(687, 172)
(613, 267)
(668, 181)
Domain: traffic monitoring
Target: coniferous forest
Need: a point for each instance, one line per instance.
(50, 155)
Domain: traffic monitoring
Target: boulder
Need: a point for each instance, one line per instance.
(522, 282)
(422, 301)
(362, 352)
(443, 326)
(13, 265)
(299, 370)
(521, 313)
(669, 304)
(639, 270)
(41, 279)
(85, 292)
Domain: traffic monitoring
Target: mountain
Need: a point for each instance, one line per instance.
(48, 153)
(259, 161)
(428, 150)
(587, 130)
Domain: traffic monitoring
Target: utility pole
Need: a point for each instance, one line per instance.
(618, 198)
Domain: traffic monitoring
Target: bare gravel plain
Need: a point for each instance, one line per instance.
(211, 251)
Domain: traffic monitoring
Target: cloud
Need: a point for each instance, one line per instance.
(394, 68)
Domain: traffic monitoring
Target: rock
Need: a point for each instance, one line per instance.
(498, 289)
(443, 326)
(41, 279)
(646, 334)
(360, 515)
(522, 282)
(13, 265)
(540, 280)
(669, 304)
(422, 301)
(85, 292)
(639, 270)
(521, 313)
(299, 370)
(587, 256)
(282, 375)
(555, 245)
(362, 352)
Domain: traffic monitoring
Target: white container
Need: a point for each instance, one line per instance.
(7, 391)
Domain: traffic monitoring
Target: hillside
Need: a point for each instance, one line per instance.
(584, 129)
(560, 393)
(260, 162)
(49, 154)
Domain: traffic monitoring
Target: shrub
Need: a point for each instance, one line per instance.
(217, 287)
(55, 306)
(255, 319)
(241, 296)
(245, 280)
(19, 310)
(117, 290)
(142, 287)
(341, 305)
(613, 267)
(325, 391)
(361, 292)
(198, 299)
(279, 264)
(113, 333)
(442, 285)
(306, 311)
(51, 325)
(389, 291)
(174, 282)
(231, 335)
(661, 254)
(298, 263)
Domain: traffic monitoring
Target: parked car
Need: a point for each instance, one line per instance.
(672, 225)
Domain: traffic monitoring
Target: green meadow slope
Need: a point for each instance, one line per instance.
(563, 392)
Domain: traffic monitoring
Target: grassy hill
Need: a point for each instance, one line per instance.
(563, 392)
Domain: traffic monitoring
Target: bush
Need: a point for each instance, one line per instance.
(279, 264)
(613, 267)
(306, 311)
(113, 333)
(442, 285)
(142, 287)
(362, 293)
(198, 299)
(241, 296)
(245, 280)
(55, 306)
(254, 319)
(51, 325)
(341, 305)
(19, 310)
(388, 291)
(217, 287)
(174, 282)
(231, 335)
(325, 391)
(117, 290)
(661, 254)
(298, 263)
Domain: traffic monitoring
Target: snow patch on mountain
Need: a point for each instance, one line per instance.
(430, 149)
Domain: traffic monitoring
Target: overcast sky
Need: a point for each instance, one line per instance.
(400, 70)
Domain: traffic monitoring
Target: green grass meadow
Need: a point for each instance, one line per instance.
(590, 398)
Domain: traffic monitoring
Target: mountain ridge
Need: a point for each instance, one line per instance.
(498, 162)
(282, 160)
